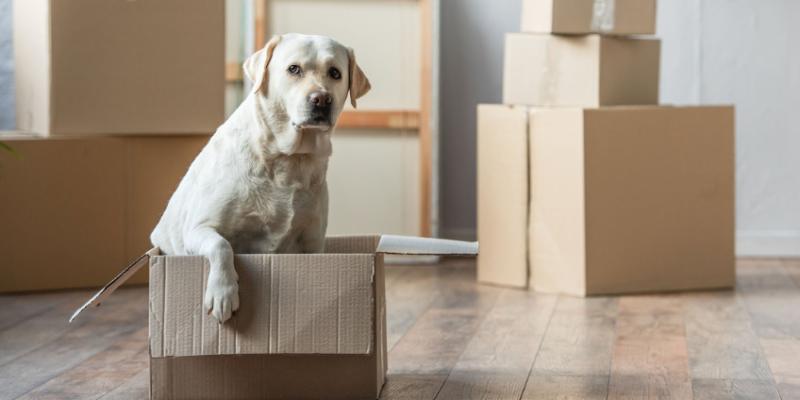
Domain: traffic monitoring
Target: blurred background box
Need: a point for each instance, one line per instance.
(119, 66)
(75, 210)
(580, 71)
(618, 17)
(606, 201)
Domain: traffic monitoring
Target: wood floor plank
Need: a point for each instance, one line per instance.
(791, 267)
(720, 338)
(574, 361)
(650, 359)
(772, 298)
(742, 389)
(99, 374)
(136, 388)
(412, 387)
(565, 387)
(783, 356)
(16, 308)
(407, 298)
(498, 359)
(36, 332)
(124, 313)
(433, 345)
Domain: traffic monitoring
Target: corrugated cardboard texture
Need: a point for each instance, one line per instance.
(557, 223)
(269, 375)
(580, 71)
(293, 304)
(75, 211)
(503, 194)
(119, 66)
(257, 377)
(631, 17)
(659, 199)
(352, 244)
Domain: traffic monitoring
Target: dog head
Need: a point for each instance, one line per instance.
(307, 79)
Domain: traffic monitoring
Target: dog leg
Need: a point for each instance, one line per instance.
(222, 293)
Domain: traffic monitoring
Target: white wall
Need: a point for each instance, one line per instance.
(747, 53)
(742, 52)
(7, 117)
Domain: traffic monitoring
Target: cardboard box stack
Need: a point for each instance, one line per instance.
(586, 186)
(114, 99)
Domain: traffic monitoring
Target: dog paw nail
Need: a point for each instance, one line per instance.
(209, 312)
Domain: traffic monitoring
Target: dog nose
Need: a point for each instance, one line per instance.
(320, 99)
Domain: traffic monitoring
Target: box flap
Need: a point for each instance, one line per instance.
(409, 245)
(117, 281)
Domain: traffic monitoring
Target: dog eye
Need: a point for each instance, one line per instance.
(335, 74)
(294, 70)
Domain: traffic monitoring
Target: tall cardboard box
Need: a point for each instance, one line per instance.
(580, 71)
(119, 66)
(606, 201)
(73, 210)
(309, 326)
(575, 17)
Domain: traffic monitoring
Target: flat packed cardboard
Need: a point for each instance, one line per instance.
(617, 17)
(119, 66)
(73, 210)
(309, 326)
(580, 71)
(619, 199)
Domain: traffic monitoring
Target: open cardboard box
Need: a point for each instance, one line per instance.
(309, 326)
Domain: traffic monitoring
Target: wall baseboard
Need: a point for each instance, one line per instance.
(768, 243)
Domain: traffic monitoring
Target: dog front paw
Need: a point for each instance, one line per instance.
(222, 295)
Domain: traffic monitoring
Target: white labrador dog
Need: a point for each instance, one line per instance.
(259, 185)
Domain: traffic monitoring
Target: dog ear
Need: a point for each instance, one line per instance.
(359, 84)
(256, 66)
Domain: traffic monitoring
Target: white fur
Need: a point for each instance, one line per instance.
(259, 185)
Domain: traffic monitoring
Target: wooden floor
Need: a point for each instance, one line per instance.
(452, 339)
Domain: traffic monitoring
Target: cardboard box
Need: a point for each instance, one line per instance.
(309, 326)
(618, 17)
(580, 71)
(73, 210)
(606, 201)
(119, 66)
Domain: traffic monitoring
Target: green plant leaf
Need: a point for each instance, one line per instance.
(10, 149)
